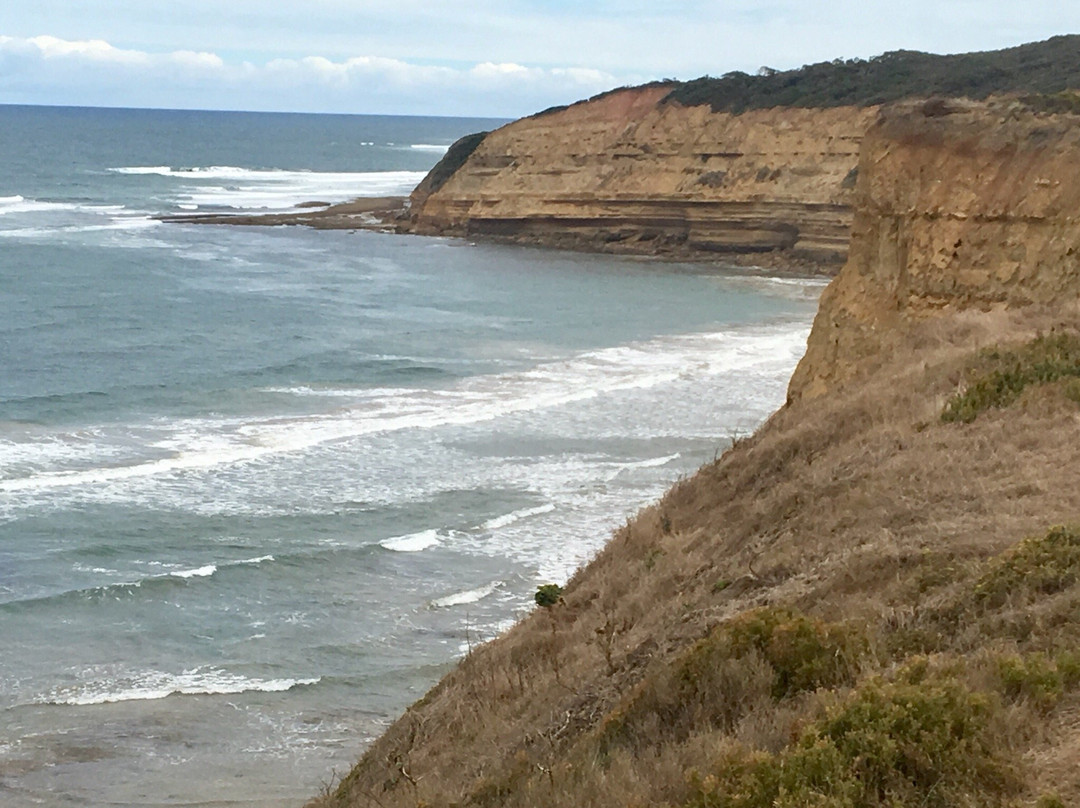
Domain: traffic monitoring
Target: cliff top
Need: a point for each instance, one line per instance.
(1038, 67)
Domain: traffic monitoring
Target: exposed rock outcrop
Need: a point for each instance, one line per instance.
(629, 172)
(959, 205)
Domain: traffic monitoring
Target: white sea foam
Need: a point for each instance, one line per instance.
(272, 189)
(206, 570)
(516, 516)
(24, 218)
(652, 462)
(151, 685)
(200, 572)
(435, 147)
(463, 598)
(258, 560)
(413, 542)
(114, 224)
(199, 444)
(19, 204)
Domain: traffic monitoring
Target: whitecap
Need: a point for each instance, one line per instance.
(251, 189)
(152, 685)
(468, 596)
(516, 516)
(649, 463)
(413, 542)
(20, 204)
(200, 572)
(258, 560)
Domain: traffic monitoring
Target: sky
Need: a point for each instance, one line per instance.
(500, 58)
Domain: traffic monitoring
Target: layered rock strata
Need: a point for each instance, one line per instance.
(959, 206)
(629, 172)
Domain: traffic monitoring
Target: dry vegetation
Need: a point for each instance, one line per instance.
(862, 605)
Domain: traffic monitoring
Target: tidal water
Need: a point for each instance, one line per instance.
(260, 486)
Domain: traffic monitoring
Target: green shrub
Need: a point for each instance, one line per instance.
(1038, 68)
(720, 585)
(1050, 801)
(1039, 565)
(760, 657)
(893, 745)
(548, 595)
(1068, 663)
(804, 653)
(1034, 677)
(1066, 101)
(998, 377)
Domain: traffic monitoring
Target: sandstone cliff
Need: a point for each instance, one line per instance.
(864, 604)
(961, 206)
(629, 172)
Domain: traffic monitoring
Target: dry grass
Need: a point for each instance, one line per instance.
(854, 536)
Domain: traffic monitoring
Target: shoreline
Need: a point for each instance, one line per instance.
(391, 214)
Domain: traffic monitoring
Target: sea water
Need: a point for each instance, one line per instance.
(260, 487)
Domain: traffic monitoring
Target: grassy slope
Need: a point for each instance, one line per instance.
(863, 511)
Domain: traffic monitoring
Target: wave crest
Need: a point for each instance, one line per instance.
(152, 685)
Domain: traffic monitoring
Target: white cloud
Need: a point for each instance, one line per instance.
(96, 50)
(197, 60)
(47, 69)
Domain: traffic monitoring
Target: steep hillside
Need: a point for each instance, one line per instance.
(867, 603)
(756, 168)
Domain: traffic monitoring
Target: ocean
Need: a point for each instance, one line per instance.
(260, 487)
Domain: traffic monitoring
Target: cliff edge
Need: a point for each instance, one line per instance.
(628, 173)
(875, 600)
(963, 206)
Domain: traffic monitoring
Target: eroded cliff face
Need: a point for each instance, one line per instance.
(627, 173)
(958, 206)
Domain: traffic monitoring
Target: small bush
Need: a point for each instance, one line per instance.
(893, 745)
(755, 659)
(998, 377)
(1066, 101)
(1050, 801)
(1033, 677)
(1040, 565)
(805, 653)
(1068, 663)
(548, 595)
